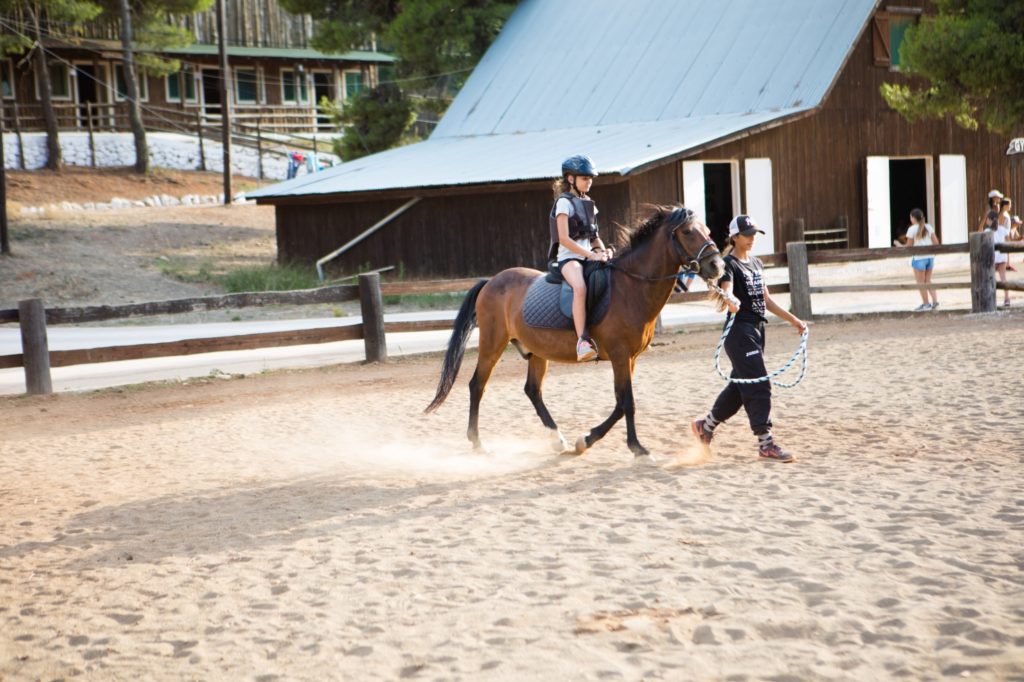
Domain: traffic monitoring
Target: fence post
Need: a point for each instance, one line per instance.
(983, 272)
(371, 302)
(843, 223)
(799, 280)
(35, 352)
(259, 147)
(92, 142)
(199, 134)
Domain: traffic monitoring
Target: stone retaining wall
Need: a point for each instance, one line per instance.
(166, 150)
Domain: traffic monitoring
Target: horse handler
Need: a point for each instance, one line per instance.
(744, 276)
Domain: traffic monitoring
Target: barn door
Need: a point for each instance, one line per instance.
(693, 188)
(879, 219)
(953, 198)
(760, 206)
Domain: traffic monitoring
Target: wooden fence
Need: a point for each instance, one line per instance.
(37, 359)
(268, 130)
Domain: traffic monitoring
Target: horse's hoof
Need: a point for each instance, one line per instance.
(558, 443)
(639, 450)
(581, 444)
(646, 460)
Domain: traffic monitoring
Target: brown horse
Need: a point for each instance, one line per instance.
(643, 275)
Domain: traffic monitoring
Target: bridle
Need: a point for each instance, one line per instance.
(687, 264)
(691, 266)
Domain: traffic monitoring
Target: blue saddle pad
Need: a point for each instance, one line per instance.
(549, 305)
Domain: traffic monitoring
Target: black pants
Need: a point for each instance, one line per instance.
(745, 348)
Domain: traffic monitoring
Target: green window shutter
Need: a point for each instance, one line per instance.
(353, 83)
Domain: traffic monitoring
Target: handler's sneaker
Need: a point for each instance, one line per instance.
(585, 351)
(701, 432)
(774, 452)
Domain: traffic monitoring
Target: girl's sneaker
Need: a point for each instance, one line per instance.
(923, 307)
(585, 351)
(773, 452)
(701, 432)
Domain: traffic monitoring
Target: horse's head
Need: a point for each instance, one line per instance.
(692, 242)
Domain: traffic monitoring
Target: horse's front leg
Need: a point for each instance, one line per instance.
(534, 381)
(624, 405)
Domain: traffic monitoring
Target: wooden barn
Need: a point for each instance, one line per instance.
(768, 108)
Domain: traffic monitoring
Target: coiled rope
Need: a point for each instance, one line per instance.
(801, 352)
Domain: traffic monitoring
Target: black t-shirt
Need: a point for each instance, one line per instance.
(747, 285)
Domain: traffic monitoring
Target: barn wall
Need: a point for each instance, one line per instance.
(818, 162)
(450, 236)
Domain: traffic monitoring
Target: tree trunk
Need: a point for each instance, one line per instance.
(132, 86)
(53, 156)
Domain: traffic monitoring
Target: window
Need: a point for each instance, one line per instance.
(6, 79)
(888, 30)
(174, 85)
(121, 87)
(293, 87)
(353, 83)
(246, 86)
(60, 86)
(898, 25)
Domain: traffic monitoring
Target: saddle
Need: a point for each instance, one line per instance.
(548, 302)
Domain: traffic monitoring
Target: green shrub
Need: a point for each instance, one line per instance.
(270, 278)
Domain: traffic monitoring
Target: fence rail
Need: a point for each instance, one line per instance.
(37, 359)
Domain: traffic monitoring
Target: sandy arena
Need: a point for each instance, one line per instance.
(315, 525)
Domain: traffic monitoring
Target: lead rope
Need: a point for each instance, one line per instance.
(801, 351)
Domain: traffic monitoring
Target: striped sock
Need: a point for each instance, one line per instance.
(710, 422)
(765, 439)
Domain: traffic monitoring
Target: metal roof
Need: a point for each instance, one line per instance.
(627, 82)
(450, 161)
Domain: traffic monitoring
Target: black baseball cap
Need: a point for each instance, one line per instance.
(745, 225)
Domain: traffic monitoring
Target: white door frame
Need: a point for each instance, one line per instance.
(758, 190)
(953, 198)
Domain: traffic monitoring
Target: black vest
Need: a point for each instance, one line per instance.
(579, 228)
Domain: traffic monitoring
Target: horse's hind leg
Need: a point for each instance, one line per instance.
(534, 380)
(492, 344)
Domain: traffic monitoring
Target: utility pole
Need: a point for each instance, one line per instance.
(225, 98)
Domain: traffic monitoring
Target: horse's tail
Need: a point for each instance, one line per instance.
(465, 321)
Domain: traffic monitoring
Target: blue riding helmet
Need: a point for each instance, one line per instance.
(578, 165)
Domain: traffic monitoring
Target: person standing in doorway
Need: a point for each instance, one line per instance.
(921, 233)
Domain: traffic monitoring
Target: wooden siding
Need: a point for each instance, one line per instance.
(448, 236)
(818, 162)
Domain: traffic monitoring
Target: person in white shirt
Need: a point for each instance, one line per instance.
(921, 233)
(574, 240)
(1004, 225)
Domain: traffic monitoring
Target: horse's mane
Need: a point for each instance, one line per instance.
(641, 234)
